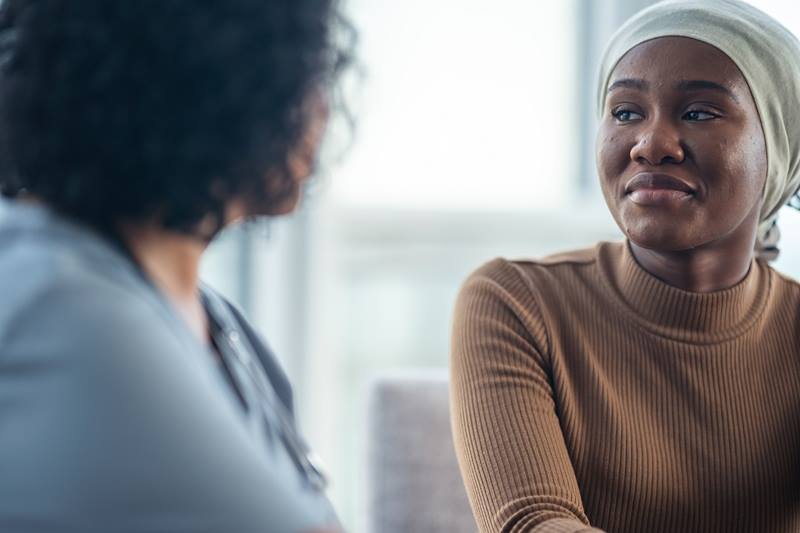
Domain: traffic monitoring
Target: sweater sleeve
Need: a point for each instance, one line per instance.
(507, 434)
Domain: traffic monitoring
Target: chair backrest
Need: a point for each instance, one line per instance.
(413, 480)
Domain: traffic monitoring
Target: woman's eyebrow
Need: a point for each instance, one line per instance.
(700, 85)
(629, 83)
(686, 85)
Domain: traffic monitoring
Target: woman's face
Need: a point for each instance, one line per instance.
(300, 161)
(680, 150)
(282, 192)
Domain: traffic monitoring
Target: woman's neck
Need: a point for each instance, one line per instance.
(710, 267)
(694, 270)
(172, 261)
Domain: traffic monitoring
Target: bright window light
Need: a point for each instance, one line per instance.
(465, 105)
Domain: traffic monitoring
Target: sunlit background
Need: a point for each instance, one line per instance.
(474, 139)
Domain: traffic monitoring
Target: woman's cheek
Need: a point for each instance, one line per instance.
(612, 159)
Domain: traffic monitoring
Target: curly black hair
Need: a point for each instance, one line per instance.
(133, 109)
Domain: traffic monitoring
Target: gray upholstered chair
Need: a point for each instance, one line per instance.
(413, 480)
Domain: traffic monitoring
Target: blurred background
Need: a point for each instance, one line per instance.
(474, 139)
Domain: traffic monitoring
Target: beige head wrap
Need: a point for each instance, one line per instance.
(768, 56)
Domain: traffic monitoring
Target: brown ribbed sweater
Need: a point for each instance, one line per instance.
(587, 391)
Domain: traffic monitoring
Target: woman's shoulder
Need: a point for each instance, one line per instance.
(785, 281)
(70, 295)
(75, 289)
(46, 260)
(535, 293)
(550, 272)
(784, 294)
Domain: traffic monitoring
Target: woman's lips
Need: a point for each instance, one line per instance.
(648, 189)
(655, 197)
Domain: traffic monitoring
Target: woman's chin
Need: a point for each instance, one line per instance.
(285, 203)
(661, 239)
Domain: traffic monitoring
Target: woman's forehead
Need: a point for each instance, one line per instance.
(672, 61)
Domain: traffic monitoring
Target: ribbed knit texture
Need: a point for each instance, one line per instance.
(585, 391)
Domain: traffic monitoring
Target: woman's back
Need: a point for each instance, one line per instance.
(114, 416)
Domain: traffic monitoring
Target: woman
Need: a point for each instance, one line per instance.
(652, 385)
(132, 398)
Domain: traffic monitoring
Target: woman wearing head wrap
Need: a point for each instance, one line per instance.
(652, 385)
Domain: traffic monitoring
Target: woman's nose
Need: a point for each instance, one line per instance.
(658, 145)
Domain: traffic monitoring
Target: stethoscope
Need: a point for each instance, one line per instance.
(240, 357)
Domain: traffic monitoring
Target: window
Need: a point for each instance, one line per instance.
(468, 146)
(467, 105)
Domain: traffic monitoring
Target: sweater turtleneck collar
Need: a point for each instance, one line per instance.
(678, 314)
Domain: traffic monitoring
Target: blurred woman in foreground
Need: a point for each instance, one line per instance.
(653, 385)
(131, 397)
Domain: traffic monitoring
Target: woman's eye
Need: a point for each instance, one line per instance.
(626, 115)
(699, 116)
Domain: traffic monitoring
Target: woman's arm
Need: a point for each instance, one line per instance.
(508, 437)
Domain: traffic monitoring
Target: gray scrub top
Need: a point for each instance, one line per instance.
(115, 418)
